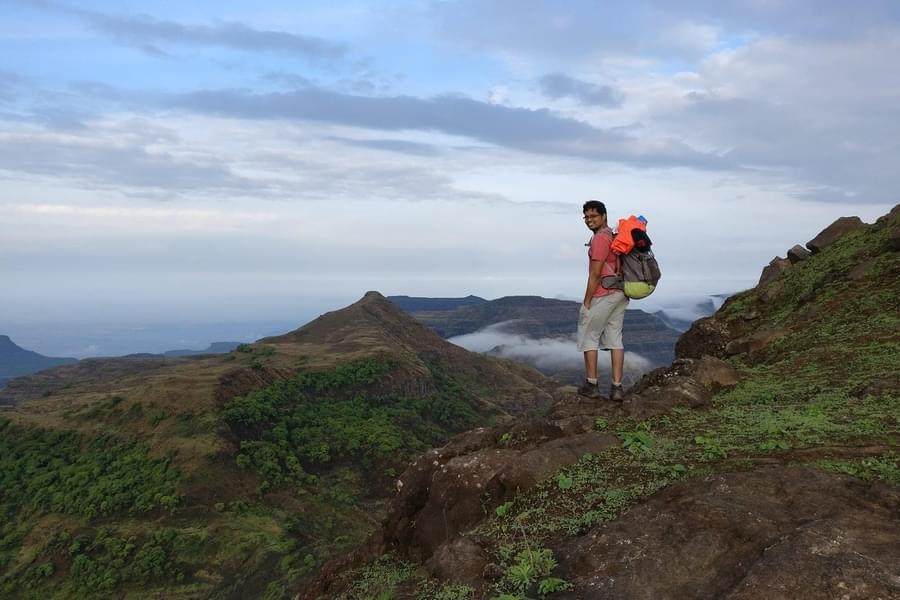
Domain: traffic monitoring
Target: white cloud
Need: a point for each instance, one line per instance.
(547, 353)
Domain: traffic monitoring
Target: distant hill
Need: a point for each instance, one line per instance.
(234, 475)
(214, 348)
(413, 304)
(16, 361)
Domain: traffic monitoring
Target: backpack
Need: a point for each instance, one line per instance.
(639, 272)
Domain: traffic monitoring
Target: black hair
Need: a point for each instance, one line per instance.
(596, 205)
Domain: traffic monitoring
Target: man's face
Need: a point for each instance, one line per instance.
(593, 219)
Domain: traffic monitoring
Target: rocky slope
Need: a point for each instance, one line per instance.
(231, 476)
(763, 463)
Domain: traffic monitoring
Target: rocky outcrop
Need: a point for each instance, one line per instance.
(834, 232)
(776, 267)
(450, 489)
(706, 337)
(742, 536)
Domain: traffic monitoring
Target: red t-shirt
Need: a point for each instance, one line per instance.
(599, 250)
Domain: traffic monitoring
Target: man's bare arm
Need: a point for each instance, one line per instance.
(593, 282)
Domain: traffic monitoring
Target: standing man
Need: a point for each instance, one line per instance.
(603, 310)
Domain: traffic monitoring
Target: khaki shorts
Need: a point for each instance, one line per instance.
(600, 326)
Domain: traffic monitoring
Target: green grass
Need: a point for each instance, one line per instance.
(884, 468)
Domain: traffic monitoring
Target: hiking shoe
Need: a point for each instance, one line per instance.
(616, 393)
(589, 390)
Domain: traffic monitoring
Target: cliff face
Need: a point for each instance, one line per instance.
(762, 463)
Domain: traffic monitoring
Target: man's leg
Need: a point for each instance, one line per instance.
(617, 358)
(590, 364)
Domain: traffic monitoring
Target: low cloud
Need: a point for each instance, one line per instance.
(546, 354)
(558, 85)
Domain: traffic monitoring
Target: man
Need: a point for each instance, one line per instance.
(603, 310)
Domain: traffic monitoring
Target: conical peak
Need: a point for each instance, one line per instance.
(373, 310)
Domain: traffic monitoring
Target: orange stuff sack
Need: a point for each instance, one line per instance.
(623, 243)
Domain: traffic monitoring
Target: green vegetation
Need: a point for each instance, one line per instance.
(48, 471)
(45, 472)
(529, 572)
(881, 468)
(314, 420)
(594, 490)
(381, 578)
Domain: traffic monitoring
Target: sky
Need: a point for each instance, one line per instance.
(229, 162)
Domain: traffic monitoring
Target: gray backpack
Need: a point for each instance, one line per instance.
(638, 271)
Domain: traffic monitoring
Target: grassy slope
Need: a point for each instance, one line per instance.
(170, 505)
(825, 393)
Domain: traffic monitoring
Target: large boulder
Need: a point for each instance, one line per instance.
(778, 533)
(798, 253)
(834, 232)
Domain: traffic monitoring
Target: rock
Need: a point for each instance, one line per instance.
(532, 467)
(706, 336)
(797, 254)
(441, 495)
(776, 267)
(576, 425)
(451, 502)
(772, 291)
(753, 342)
(714, 373)
(688, 382)
(576, 406)
(776, 533)
(834, 232)
(893, 215)
(460, 561)
(660, 399)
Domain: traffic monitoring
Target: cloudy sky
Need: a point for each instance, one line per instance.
(227, 161)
